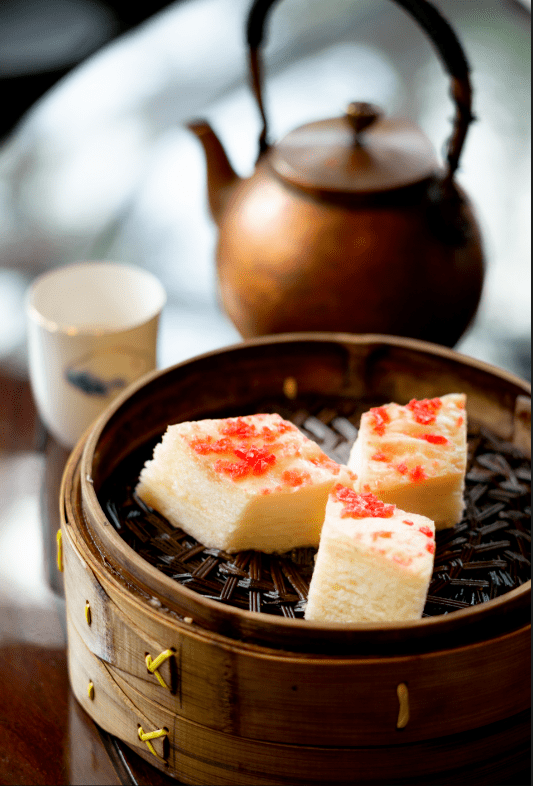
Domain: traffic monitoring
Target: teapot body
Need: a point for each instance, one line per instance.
(289, 261)
(349, 224)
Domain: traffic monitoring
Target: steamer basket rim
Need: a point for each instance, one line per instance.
(89, 441)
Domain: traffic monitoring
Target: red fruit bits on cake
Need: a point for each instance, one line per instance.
(252, 482)
(370, 566)
(414, 456)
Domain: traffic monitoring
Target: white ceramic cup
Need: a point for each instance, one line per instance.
(92, 330)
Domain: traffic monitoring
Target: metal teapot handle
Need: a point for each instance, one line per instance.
(444, 40)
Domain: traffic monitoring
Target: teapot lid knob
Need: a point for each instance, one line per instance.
(361, 115)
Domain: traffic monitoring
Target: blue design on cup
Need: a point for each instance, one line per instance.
(92, 385)
(106, 370)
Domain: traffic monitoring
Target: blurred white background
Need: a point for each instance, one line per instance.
(103, 167)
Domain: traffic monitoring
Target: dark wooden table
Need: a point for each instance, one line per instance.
(46, 738)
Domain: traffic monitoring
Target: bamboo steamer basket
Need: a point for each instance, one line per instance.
(241, 698)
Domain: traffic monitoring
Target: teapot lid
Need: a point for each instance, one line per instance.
(359, 153)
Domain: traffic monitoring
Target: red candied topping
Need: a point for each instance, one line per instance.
(381, 534)
(295, 477)
(258, 459)
(239, 427)
(290, 447)
(361, 506)
(417, 474)
(430, 547)
(434, 439)
(380, 417)
(460, 422)
(425, 531)
(410, 523)
(236, 470)
(201, 446)
(284, 426)
(204, 445)
(425, 410)
(270, 434)
(379, 456)
(326, 463)
(405, 561)
(253, 461)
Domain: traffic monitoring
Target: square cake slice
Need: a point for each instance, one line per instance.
(414, 456)
(252, 482)
(374, 561)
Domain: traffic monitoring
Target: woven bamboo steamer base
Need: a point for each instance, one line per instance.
(252, 700)
(197, 754)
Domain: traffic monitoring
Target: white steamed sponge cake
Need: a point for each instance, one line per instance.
(251, 482)
(414, 456)
(374, 561)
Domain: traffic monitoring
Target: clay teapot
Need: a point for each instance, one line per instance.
(349, 224)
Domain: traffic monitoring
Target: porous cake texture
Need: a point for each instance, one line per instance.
(252, 482)
(374, 561)
(414, 456)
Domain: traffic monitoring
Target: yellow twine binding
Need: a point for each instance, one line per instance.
(88, 615)
(153, 665)
(152, 735)
(59, 539)
(90, 690)
(403, 698)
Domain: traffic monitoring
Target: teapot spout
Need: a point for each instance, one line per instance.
(221, 178)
